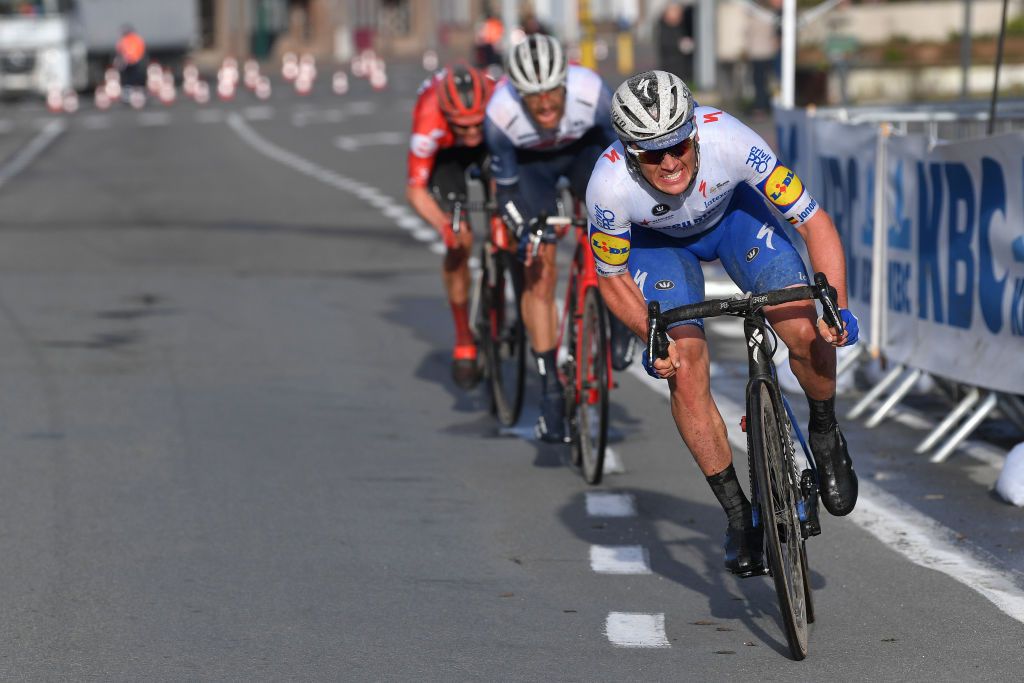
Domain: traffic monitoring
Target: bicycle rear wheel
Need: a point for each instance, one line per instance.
(591, 405)
(502, 335)
(777, 491)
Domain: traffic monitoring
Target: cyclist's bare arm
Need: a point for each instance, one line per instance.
(825, 249)
(625, 300)
(427, 207)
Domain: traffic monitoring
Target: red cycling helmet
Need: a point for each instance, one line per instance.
(462, 93)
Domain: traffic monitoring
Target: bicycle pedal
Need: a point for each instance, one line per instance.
(761, 570)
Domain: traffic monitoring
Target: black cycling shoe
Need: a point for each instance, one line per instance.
(744, 551)
(465, 373)
(551, 423)
(836, 477)
(622, 339)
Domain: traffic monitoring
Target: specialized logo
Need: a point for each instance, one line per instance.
(758, 159)
(766, 233)
(608, 248)
(612, 156)
(660, 209)
(640, 278)
(643, 86)
(712, 117)
(604, 218)
(664, 284)
(703, 188)
(752, 254)
(783, 187)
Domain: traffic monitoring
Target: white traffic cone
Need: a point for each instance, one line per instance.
(54, 100)
(251, 74)
(101, 99)
(263, 88)
(70, 101)
(430, 60)
(340, 83)
(289, 66)
(379, 79)
(303, 86)
(154, 78)
(202, 92)
(137, 98)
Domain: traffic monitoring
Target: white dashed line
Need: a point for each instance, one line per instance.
(601, 504)
(154, 118)
(619, 559)
(917, 537)
(263, 113)
(95, 122)
(210, 116)
(628, 629)
(50, 132)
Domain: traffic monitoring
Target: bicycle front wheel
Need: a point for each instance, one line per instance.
(591, 407)
(777, 492)
(502, 335)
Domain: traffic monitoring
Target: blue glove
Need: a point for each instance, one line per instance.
(852, 328)
(648, 365)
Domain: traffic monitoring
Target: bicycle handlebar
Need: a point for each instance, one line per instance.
(657, 322)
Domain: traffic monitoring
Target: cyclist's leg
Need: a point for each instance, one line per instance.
(758, 255)
(449, 180)
(538, 174)
(668, 272)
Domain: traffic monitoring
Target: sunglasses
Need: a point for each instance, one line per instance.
(654, 156)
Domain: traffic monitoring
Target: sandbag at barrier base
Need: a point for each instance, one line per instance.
(1010, 485)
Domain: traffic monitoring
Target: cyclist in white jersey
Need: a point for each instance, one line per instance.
(548, 120)
(686, 184)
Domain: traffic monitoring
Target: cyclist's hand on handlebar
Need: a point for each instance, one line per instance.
(850, 335)
(533, 234)
(663, 368)
(451, 240)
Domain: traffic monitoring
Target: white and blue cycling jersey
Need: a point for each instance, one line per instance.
(660, 239)
(527, 160)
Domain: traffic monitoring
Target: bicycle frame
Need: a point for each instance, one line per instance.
(582, 276)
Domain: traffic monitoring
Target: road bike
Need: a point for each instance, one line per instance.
(784, 498)
(494, 311)
(585, 368)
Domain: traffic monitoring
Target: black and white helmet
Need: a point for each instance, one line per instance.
(653, 110)
(537, 64)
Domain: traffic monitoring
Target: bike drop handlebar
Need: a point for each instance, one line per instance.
(542, 229)
(657, 322)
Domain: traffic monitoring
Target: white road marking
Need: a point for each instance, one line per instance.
(612, 462)
(629, 629)
(352, 143)
(258, 113)
(95, 122)
(306, 117)
(619, 559)
(601, 504)
(210, 116)
(917, 537)
(361, 108)
(154, 118)
(50, 132)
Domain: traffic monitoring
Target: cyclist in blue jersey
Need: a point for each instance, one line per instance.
(685, 184)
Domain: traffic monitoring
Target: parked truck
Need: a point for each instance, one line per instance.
(67, 44)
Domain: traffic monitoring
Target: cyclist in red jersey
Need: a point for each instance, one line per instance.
(447, 139)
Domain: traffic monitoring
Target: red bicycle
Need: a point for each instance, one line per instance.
(586, 368)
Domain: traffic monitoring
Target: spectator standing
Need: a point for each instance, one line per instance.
(675, 40)
(131, 51)
(762, 48)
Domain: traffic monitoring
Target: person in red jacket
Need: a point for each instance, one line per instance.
(447, 139)
(131, 51)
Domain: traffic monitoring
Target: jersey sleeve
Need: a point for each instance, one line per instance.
(778, 184)
(610, 223)
(424, 142)
(504, 166)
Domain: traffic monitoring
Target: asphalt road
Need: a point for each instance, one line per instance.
(232, 450)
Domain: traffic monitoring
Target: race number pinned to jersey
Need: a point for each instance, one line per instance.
(783, 186)
(608, 248)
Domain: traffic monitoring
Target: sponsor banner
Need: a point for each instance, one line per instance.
(955, 298)
(842, 165)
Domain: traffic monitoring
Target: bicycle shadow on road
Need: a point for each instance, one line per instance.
(684, 543)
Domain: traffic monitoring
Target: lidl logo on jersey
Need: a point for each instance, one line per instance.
(783, 187)
(608, 248)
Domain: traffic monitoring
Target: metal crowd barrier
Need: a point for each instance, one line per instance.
(947, 122)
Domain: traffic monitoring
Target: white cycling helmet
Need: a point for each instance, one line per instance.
(653, 110)
(537, 64)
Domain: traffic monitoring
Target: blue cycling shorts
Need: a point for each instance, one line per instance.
(749, 241)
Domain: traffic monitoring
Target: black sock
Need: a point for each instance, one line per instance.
(547, 370)
(729, 493)
(823, 415)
